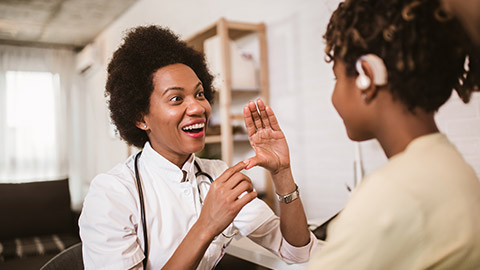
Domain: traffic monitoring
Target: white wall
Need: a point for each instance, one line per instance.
(461, 123)
(301, 84)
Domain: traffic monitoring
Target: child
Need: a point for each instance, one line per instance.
(396, 62)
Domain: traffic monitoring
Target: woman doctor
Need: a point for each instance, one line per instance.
(159, 93)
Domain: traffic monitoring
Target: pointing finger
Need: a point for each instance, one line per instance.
(251, 162)
(232, 170)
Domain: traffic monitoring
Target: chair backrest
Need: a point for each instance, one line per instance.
(71, 258)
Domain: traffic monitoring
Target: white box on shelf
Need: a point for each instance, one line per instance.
(244, 73)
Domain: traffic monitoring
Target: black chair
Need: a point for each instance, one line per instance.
(71, 258)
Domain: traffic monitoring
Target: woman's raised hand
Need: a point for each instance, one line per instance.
(266, 138)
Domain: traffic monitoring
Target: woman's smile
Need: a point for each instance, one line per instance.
(195, 129)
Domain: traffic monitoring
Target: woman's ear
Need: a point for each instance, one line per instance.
(141, 124)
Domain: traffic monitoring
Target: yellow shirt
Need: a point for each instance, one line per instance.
(419, 211)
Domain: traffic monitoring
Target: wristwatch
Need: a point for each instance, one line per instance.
(290, 197)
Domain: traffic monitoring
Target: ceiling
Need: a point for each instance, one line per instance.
(65, 23)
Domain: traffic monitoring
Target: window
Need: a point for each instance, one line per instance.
(29, 134)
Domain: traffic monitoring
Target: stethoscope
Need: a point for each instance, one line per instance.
(142, 202)
(203, 181)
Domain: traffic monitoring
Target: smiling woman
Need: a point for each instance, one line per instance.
(164, 207)
(178, 113)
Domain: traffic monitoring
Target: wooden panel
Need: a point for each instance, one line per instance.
(225, 96)
(264, 80)
(196, 41)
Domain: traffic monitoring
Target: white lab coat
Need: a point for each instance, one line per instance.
(110, 222)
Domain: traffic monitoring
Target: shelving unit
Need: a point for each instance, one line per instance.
(228, 31)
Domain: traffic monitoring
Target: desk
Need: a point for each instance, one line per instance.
(248, 250)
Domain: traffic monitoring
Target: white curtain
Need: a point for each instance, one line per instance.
(33, 121)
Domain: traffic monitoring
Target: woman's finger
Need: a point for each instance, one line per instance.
(252, 162)
(232, 170)
(247, 115)
(241, 188)
(263, 113)
(256, 117)
(248, 197)
(235, 179)
(272, 119)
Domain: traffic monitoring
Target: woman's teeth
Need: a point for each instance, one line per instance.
(194, 127)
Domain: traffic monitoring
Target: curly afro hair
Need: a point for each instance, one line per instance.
(130, 76)
(426, 51)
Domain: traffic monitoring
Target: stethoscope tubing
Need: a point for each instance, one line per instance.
(142, 211)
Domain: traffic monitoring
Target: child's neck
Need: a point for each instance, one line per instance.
(400, 127)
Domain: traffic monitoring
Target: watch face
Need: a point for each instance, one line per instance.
(289, 197)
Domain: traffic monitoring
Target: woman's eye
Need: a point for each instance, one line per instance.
(175, 98)
(201, 94)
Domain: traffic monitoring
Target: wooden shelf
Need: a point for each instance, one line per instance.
(240, 90)
(228, 31)
(236, 117)
(236, 30)
(218, 138)
(213, 139)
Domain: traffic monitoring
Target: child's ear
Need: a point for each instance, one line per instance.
(372, 75)
(364, 78)
(365, 82)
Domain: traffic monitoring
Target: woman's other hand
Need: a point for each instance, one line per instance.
(224, 199)
(266, 138)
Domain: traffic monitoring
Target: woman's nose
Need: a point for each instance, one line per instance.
(195, 107)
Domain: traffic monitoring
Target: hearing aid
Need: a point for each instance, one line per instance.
(378, 69)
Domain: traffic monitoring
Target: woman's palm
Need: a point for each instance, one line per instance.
(266, 138)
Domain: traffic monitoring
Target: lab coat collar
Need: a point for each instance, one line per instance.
(160, 165)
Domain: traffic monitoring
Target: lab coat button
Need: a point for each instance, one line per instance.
(186, 191)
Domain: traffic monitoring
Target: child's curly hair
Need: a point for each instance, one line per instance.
(426, 51)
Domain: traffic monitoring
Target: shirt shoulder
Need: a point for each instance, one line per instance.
(119, 179)
(381, 221)
(114, 190)
(397, 209)
(109, 220)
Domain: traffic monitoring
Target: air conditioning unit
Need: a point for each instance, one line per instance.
(87, 59)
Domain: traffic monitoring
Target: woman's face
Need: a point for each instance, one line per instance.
(347, 100)
(178, 113)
